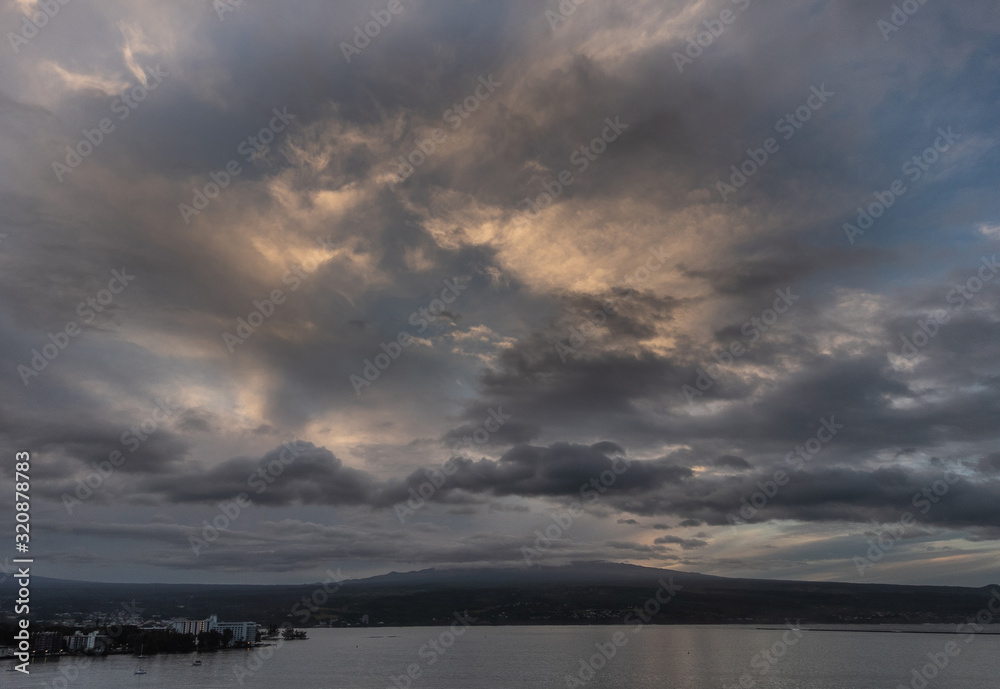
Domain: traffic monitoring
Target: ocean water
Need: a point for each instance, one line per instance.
(633, 657)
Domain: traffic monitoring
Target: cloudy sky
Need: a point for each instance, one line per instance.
(643, 256)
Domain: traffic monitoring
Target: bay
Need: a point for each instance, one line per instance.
(678, 657)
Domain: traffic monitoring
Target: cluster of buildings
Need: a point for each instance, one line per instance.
(43, 643)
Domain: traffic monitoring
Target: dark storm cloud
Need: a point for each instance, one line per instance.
(835, 495)
(196, 420)
(316, 545)
(753, 278)
(300, 473)
(732, 462)
(533, 380)
(562, 469)
(685, 543)
(512, 432)
(310, 475)
(75, 446)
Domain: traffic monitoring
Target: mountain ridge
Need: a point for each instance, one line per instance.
(585, 592)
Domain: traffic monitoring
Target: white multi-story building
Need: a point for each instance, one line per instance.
(76, 642)
(195, 627)
(243, 632)
(97, 642)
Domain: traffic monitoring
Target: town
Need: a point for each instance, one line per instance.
(128, 633)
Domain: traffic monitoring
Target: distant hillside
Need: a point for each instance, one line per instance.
(608, 573)
(581, 593)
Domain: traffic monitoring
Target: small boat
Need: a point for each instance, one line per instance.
(140, 653)
(139, 671)
(197, 662)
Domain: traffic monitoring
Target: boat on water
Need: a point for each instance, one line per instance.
(197, 662)
(139, 670)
